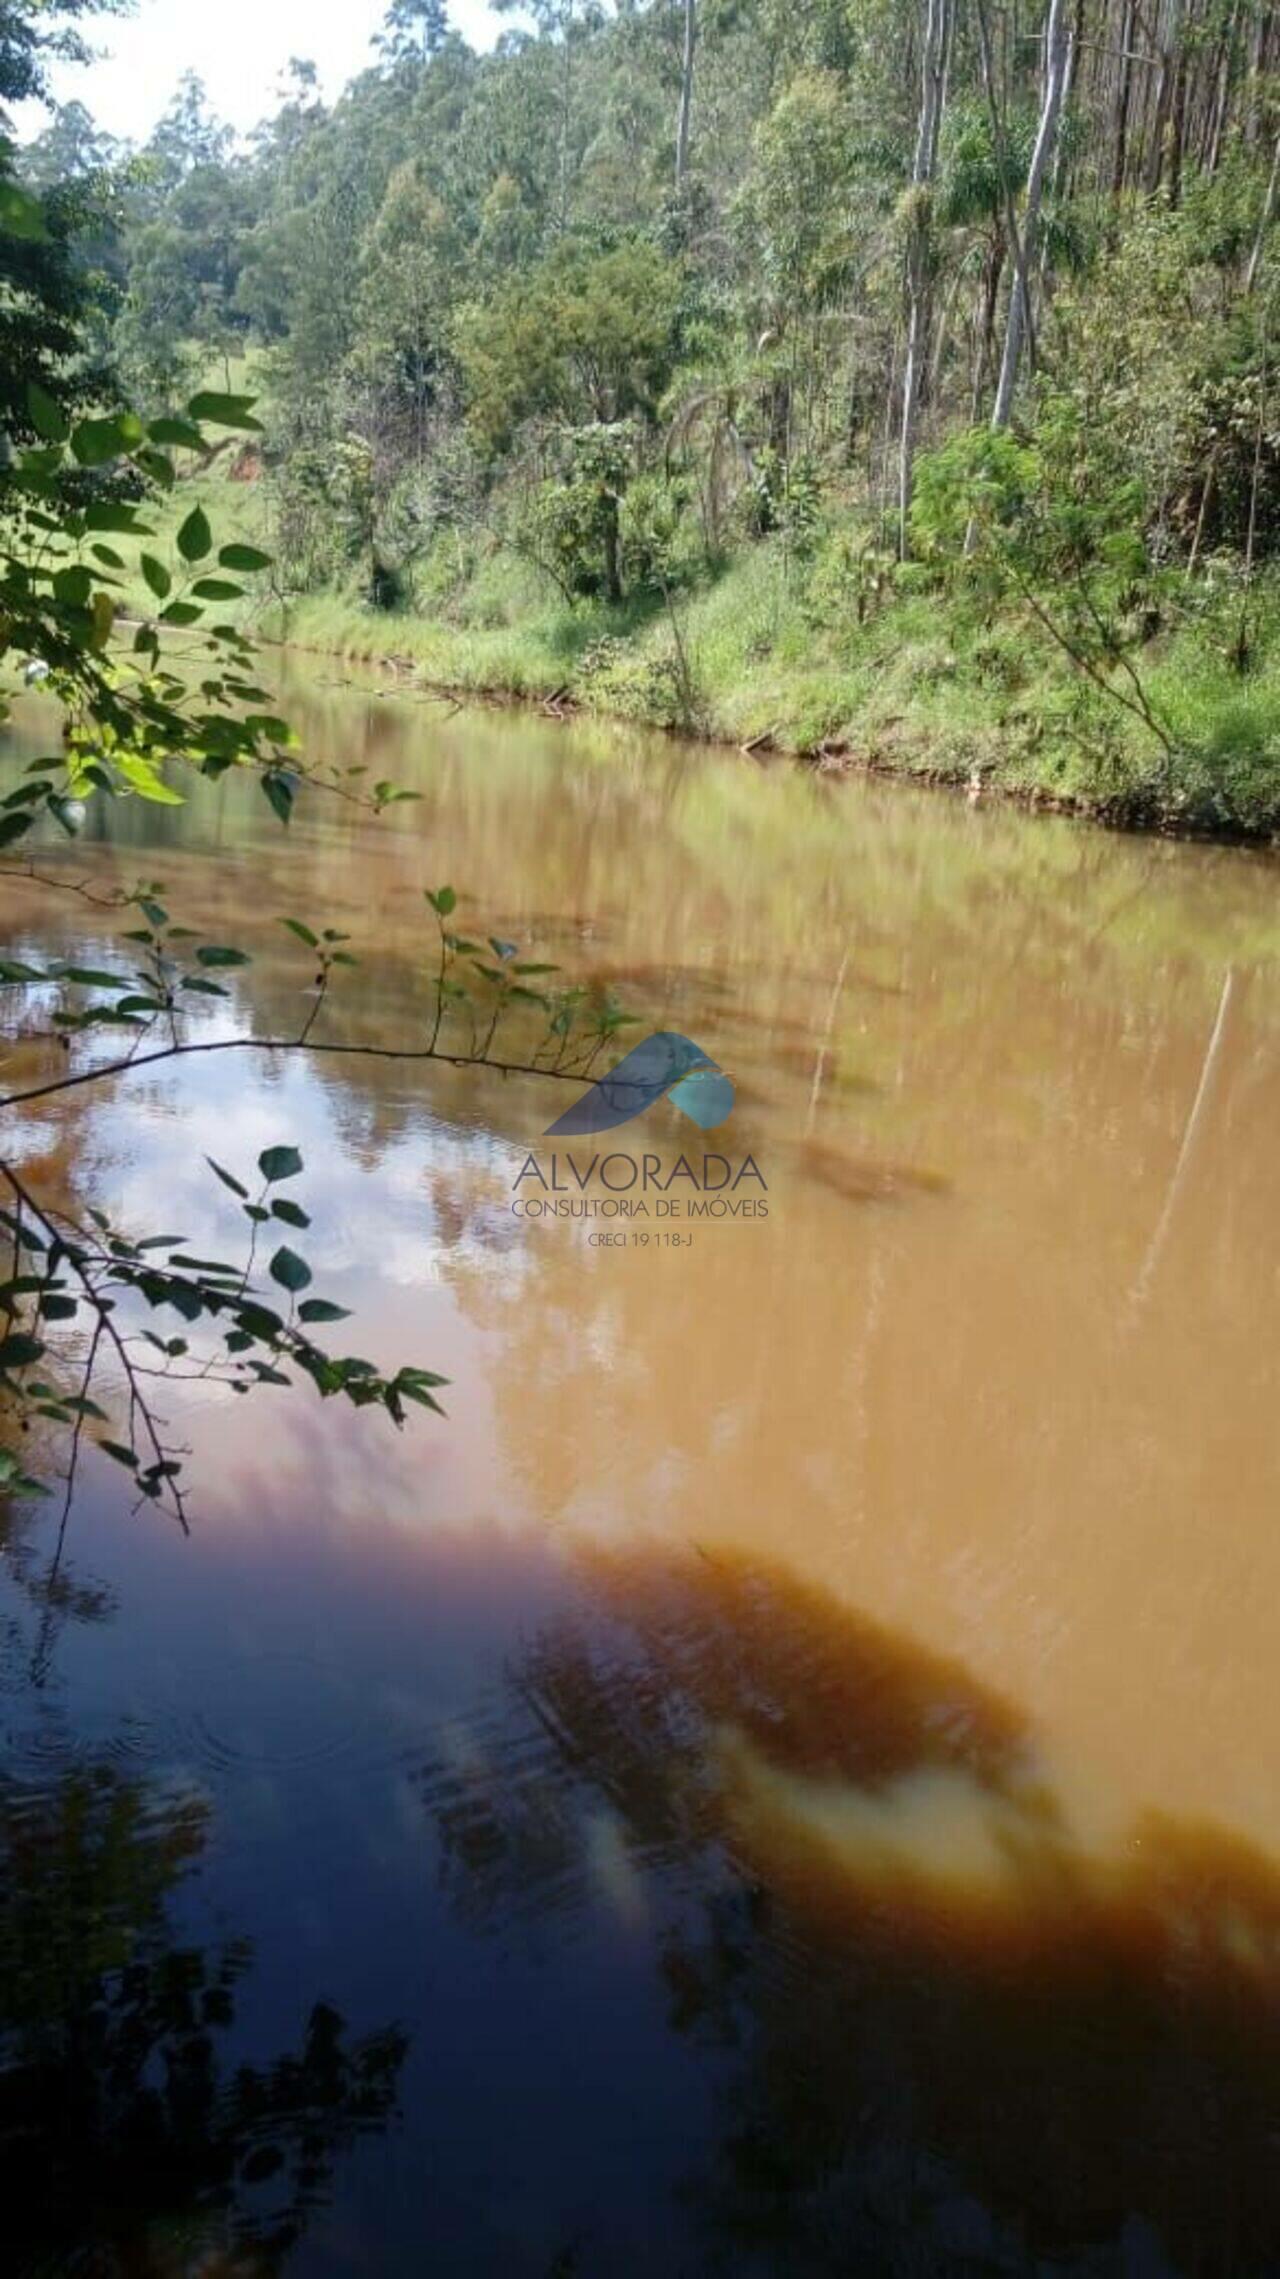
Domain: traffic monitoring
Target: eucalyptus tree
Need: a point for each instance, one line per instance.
(33, 35)
(413, 31)
(72, 148)
(1057, 58)
(919, 245)
(685, 115)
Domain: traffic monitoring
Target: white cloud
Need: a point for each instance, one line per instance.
(239, 48)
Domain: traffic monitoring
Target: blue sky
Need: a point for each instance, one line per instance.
(239, 48)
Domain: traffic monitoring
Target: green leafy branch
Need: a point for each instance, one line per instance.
(67, 1270)
(130, 711)
(64, 1271)
(571, 1017)
(80, 1290)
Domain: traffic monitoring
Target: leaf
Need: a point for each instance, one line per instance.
(181, 432)
(320, 1310)
(225, 411)
(195, 538)
(218, 954)
(109, 514)
(104, 617)
(47, 417)
(292, 1213)
(243, 558)
(11, 969)
(290, 1271)
(157, 577)
(419, 1393)
(279, 794)
(277, 1163)
(303, 933)
(18, 1350)
(444, 901)
(95, 441)
(160, 468)
(87, 976)
(146, 780)
(72, 585)
(21, 215)
(57, 1309)
(126, 1456)
(228, 1180)
(503, 950)
(217, 589)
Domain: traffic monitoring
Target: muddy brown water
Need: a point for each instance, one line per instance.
(786, 1778)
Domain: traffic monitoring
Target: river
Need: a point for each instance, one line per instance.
(785, 1777)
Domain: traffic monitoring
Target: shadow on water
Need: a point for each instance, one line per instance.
(133, 2141)
(955, 2039)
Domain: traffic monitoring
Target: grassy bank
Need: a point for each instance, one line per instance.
(922, 686)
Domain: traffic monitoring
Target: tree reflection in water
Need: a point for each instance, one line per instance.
(48, 1580)
(131, 2141)
(957, 2042)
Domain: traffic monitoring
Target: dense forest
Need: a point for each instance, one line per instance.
(891, 382)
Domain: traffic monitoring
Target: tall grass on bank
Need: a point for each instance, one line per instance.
(918, 687)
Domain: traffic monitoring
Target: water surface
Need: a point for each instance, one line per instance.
(786, 1778)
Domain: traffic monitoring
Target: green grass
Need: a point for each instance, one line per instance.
(921, 685)
(920, 688)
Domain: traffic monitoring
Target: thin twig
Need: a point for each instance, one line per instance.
(102, 1309)
(337, 1049)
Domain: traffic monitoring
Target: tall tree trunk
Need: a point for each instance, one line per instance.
(1223, 96)
(993, 271)
(686, 91)
(1268, 215)
(1057, 57)
(1120, 130)
(919, 247)
(566, 105)
(612, 549)
(1177, 131)
(1257, 64)
(1169, 39)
